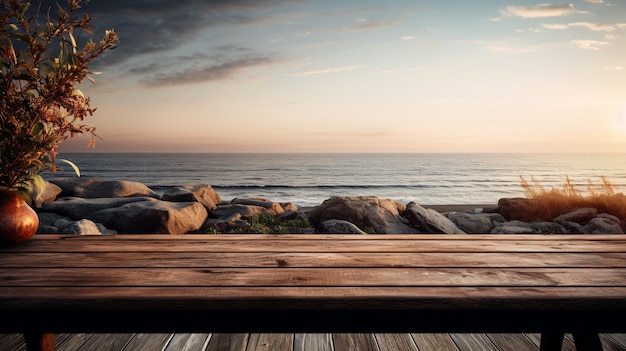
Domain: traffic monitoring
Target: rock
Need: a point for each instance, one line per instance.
(82, 227)
(606, 224)
(202, 193)
(549, 228)
(101, 188)
(77, 208)
(337, 226)
(572, 227)
(49, 193)
(427, 220)
(288, 206)
(472, 223)
(245, 211)
(506, 229)
(234, 222)
(516, 208)
(581, 215)
(364, 212)
(273, 207)
(153, 217)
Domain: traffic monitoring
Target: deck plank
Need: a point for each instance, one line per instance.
(147, 341)
(512, 342)
(188, 342)
(313, 341)
(228, 342)
(473, 342)
(355, 342)
(434, 341)
(106, 342)
(395, 342)
(270, 342)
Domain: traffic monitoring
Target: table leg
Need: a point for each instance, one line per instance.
(587, 341)
(39, 341)
(551, 341)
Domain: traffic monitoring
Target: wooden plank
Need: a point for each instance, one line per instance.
(434, 342)
(188, 342)
(354, 342)
(512, 342)
(71, 342)
(472, 342)
(148, 342)
(327, 277)
(228, 342)
(317, 245)
(313, 342)
(610, 344)
(395, 341)
(12, 342)
(102, 342)
(620, 338)
(568, 344)
(270, 342)
(299, 260)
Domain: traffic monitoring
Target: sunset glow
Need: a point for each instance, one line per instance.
(367, 76)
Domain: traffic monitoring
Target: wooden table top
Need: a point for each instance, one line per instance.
(421, 282)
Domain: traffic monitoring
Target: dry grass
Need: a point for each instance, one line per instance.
(549, 203)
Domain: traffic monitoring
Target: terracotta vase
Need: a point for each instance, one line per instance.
(18, 221)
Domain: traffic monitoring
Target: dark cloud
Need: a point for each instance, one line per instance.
(222, 62)
(155, 29)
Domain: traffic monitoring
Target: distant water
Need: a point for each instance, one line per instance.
(309, 179)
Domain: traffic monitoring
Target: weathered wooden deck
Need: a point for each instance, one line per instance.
(302, 342)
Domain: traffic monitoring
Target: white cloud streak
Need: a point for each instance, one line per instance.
(330, 70)
(589, 44)
(536, 11)
(603, 27)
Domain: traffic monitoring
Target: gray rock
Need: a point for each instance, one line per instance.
(549, 228)
(427, 220)
(201, 193)
(365, 212)
(472, 223)
(581, 215)
(337, 226)
(603, 225)
(507, 229)
(82, 227)
(101, 188)
(572, 227)
(77, 208)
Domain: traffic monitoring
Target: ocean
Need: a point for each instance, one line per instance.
(309, 179)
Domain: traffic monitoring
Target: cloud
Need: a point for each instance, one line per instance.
(589, 44)
(595, 1)
(202, 67)
(614, 68)
(158, 26)
(365, 24)
(541, 10)
(592, 26)
(330, 70)
(407, 37)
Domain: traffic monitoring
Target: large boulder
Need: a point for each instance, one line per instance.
(101, 188)
(202, 193)
(427, 220)
(382, 215)
(516, 208)
(48, 193)
(604, 224)
(78, 208)
(134, 214)
(153, 217)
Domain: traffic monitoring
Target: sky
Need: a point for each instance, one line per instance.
(359, 76)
